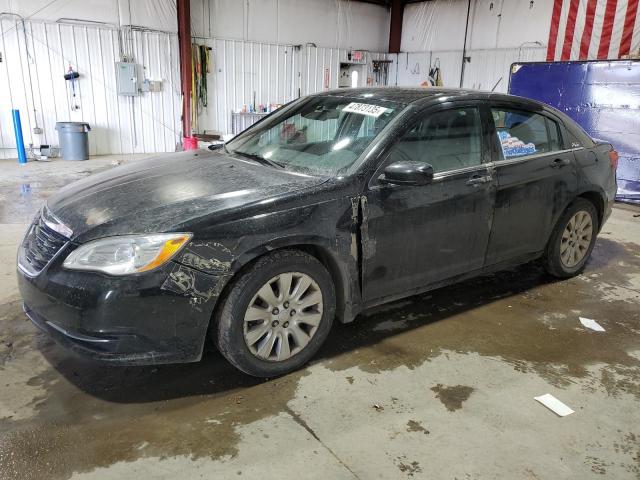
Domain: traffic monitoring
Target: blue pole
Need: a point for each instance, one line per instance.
(17, 128)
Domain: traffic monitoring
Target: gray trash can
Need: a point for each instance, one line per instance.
(74, 140)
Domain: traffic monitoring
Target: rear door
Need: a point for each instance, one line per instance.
(415, 236)
(536, 176)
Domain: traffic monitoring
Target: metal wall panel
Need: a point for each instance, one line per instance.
(411, 69)
(490, 67)
(35, 60)
(486, 68)
(439, 25)
(276, 73)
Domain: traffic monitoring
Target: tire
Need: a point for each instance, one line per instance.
(257, 341)
(558, 259)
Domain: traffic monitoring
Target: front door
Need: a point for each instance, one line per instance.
(414, 236)
(536, 176)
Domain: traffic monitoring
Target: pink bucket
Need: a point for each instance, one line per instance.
(189, 143)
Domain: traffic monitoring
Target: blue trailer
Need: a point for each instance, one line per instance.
(602, 96)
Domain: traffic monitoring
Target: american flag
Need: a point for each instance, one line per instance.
(593, 29)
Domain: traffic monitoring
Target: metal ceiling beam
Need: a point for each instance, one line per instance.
(395, 26)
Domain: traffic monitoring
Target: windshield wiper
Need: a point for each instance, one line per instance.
(260, 159)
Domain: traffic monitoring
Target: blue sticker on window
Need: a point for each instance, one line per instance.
(514, 147)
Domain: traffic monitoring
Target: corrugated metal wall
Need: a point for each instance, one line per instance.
(35, 59)
(486, 68)
(37, 56)
(412, 68)
(275, 73)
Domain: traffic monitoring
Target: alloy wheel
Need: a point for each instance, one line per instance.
(576, 239)
(283, 316)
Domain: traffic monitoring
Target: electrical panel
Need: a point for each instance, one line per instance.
(127, 79)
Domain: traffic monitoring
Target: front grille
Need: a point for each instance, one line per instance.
(39, 246)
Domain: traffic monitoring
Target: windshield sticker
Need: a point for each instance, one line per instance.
(365, 109)
(514, 147)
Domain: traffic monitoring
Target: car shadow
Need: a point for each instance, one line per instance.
(214, 375)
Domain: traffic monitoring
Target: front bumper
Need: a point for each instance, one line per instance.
(161, 316)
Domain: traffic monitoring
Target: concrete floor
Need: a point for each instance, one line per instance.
(436, 386)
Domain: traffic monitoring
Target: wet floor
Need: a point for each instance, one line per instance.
(436, 386)
(23, 188)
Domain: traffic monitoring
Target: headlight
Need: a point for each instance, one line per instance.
(127, 254)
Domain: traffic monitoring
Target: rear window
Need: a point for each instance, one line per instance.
(522, 133)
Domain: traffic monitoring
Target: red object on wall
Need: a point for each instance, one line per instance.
(184, 42)
(593, 29)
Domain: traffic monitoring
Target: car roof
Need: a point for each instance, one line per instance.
(407, 95)
(426, 96)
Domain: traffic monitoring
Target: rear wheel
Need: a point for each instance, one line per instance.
(572, 240)
(277, 314)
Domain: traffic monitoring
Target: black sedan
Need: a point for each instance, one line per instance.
(333, 204)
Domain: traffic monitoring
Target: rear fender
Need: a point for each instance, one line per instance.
(591, 193)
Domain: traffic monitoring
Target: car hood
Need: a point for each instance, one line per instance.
(162, 194)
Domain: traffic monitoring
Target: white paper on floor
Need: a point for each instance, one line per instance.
(592, 324)
(555, 405)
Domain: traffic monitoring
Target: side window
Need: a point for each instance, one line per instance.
(554, 136)
(524, 133)
(570, 140)
(448, 140)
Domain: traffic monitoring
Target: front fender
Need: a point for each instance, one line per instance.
(325, 230)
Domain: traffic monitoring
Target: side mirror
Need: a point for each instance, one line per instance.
(407, 173)
(215, 146)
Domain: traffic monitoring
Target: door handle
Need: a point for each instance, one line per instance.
(559, 163)
(478, 180)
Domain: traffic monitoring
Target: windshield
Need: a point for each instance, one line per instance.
(320, 136)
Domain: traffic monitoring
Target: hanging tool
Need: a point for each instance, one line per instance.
(195, 68)
(435, 75)
(381, 70)
(200, 67)
(72, 76)
(205, 68)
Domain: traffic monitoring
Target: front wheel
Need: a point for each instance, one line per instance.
(572, 240)
(277, 314)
